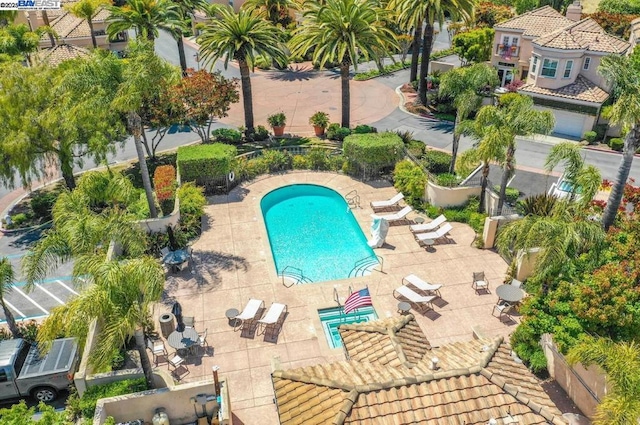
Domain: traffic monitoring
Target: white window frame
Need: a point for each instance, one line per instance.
(568, 67)
(505, 40)
(534, 64)
(514, 41)
(587, 63)
(548, 62)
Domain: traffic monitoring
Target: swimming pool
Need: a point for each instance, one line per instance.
(331, 318)
(311, 228)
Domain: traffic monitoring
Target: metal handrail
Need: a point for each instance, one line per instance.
(353, 198)
(363, 262)
(299, 276)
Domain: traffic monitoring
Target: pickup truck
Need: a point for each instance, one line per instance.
(24, 372)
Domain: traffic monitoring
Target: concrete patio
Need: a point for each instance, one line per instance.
(233, 262)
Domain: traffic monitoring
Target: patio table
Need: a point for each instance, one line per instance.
(183, 340)
(510, 293)
(173, 258)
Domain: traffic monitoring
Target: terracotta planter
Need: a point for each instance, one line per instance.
(319, 130)
(278, 131)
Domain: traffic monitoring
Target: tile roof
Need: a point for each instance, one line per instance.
(585, 34)
(60, 53)
(582, 89)
(476, 380)
(69, 26)
(536, 22)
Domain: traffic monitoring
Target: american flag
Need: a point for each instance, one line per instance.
(357, 299)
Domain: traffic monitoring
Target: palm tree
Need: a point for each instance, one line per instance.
(242, 36)
(6, 280)
(560, 237)
(624, 74)
(410, 18)
(87, 9)
(186, 8)
(118, 295)
(342, 31)
(147, 17)
(463, 85)
(514, 116)
(621, 362)
(144, 74)
(274, 9)
(583, 178)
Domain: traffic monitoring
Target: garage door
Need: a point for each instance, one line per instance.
(568, 123)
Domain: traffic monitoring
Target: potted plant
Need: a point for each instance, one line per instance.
(277, 122)
(320, 121)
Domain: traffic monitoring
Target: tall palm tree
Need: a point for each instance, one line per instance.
(6, 280)
(514, 116)
(274, 9)
(463, 85)
(410, 18)
(242, 36)
(147, 17)
(582, 177)
(118, 295)
(143, 75)
(561, 237)
(186, 8)
(621, 362)
(87, 9)
(624, 74)
(340, 31)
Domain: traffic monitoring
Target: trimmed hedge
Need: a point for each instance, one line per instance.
(374, 149)
(205, 161)
(436, 162)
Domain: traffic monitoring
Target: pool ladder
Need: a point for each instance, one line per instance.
(353, 199)
(366, 264)
(294, 275)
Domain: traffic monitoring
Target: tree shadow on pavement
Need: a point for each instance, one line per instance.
(295, 73)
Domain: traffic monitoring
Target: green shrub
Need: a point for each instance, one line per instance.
(317, 158)
(335, 132)
(437, 162)
(616, 144)
(276, 160)
(19, 218)
(259, 134)
(511, 194)
(590, 136)
(374, 149)
(227, 135)
(192, 202)
(364, 129)
(199, 162)
(93, 394)
(300, 162)
(467, 213)
(263, 62)
(447, 180)
(20, 414)
(335, 162)
(409, 179)
(416, 148)
(406, 136)
(42, 202)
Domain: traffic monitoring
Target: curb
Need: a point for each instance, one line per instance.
(636, 155)
(24, 229)
(403, 109)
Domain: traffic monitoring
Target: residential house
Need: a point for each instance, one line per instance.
(54, 56)
(393, 375)
(557, 57)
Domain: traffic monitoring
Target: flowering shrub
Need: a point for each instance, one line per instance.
(514, 86)
(164, 181)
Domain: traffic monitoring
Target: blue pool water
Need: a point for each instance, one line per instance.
(331, 318)
(312, 229)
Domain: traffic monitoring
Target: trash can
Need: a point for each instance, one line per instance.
(167, 324)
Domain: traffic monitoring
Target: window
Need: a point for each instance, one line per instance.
(514, 42)
(587, 62)
(567, 69)
(505, 40)
(3, 375)
(549, 67)
(534, 65)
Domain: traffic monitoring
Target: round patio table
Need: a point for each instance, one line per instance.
(231, 316)
(183, 340)
(176, 257)
(509, 293)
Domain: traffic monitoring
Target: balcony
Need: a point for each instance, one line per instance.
(506, 51)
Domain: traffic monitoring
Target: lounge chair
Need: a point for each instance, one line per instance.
(422, 285)
(273, 317)
(429, 227)
(400, 215)
(388, 203)
(414, 297)
(480, 282)
(441, 233)
(249, 314)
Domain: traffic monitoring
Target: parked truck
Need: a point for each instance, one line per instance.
(24, 372)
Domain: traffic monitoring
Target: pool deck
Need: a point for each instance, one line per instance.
(233, 262)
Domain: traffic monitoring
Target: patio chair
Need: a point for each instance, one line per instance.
(503, 309)
(441, 233)
(248, 315)
(164, 251)
(177, 362)
(180, 267)
(398, 216)
(428, 227)
(422, 285)
(480, 282)
(516, 283)
(276, 313)
(414, 297)
(388, 203)
(189, 321)
(158, 349)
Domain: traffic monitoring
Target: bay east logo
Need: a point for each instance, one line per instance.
(30, 5)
